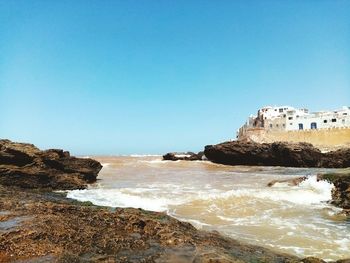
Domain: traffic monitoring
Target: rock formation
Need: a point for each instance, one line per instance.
(24, 165)
(289, 182)
(44, 226)
(276, 154)
(189, 156)
(50, 228)
(341, 191)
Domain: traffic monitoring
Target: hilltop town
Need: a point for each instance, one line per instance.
(324, 129)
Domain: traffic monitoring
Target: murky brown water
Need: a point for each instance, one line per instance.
(233, 200)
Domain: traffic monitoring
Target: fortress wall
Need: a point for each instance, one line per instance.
(325, 139)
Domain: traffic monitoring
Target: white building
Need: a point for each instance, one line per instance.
(286, 118)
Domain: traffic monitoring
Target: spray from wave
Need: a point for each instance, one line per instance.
(308, 192)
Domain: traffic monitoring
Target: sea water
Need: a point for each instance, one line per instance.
(234, 200)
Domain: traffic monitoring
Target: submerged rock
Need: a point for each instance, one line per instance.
(25, 165)
(188, 156)
(276, 154)
(289, 182)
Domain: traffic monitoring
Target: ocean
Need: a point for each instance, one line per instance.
(234, 200)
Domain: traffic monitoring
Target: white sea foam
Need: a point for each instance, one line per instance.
(232, 200)
(344, 244)
(122, 198)
(158, 161)
(144, 155)
(182, 155)
(309, 192)
(198, 224)
(151, 197)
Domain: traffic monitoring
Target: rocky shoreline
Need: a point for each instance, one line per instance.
(267, 154)
(188, 156)
(46, 227)
(282, 154)
(276, 154)
(340, 192)
(24, 165)
(39, 225)
(289, 155)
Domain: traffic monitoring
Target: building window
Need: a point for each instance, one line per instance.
(283, 125)
(345, 113)
(284, 115)
(334, 120)
(313, 126)
(324, 121)
(277, 125)
(291, 123)
(280, 110)
(270, 125)
(290, 118)
(343, 120)
(301, 126)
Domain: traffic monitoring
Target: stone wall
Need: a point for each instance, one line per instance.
(325, 139)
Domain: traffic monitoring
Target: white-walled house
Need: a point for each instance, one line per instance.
(287, 118)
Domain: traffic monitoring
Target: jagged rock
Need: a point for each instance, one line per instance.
(188, 156)
(312, 260)
(55, 229)
(50, 228)
(275, 154)
(341, 191)
(41, 226)
(25, 165)
(337, 159)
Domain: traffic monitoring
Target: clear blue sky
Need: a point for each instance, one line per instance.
(143, 76)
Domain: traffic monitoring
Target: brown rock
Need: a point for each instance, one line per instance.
(275, 154)
(341, 191)
(290, 182)
(55, 229)
(189, 156)
(312, 260)
(26, 166)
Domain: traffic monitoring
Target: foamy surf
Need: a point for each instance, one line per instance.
(144, 155)
(309, 192)
(233, 200)
(123, 198)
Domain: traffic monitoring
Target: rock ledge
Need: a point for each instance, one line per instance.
(26, 166)
(276, 154)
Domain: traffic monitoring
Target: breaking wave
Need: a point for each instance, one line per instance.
(309, 192)
(122, 198)
(234, 200)
(144, 155)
